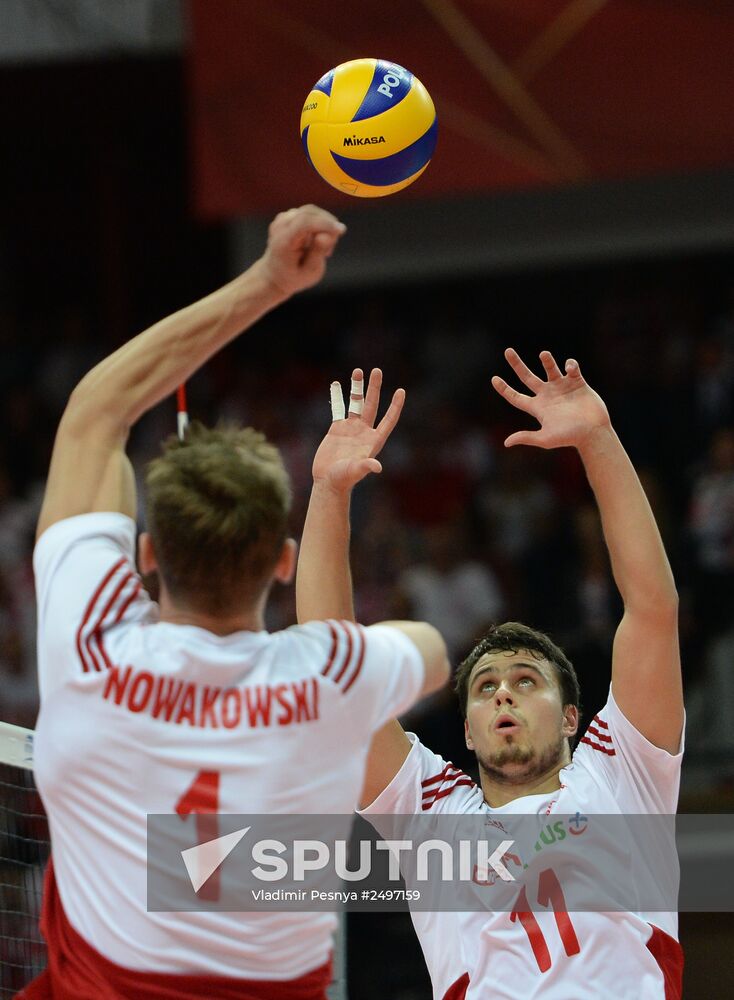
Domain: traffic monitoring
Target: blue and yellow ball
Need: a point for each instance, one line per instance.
(369, 128)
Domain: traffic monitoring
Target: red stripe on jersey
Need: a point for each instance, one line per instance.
(600, 722)
(90, 610)
(600, 736)
(457, 990)
(595, 746)
(96, 631)
(668, 953)
(103, 651)
(360, 659)
(428, 802)
(127, 602)
(348, 657)
(332, 651)
(439, 777)
(117, 619)
(427, 792)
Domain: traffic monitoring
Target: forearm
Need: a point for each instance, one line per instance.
(323, 577)
(150, 367)
(639, 563)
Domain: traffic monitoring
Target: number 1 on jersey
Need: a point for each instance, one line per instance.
(202, 799)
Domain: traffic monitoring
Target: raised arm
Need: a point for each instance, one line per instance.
(345, 456)
(646, 672)
(323, 579)
(89, 469)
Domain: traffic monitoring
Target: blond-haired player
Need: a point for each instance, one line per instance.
(188, 705)
(519, 698)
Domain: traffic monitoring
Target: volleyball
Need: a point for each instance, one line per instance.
(369, 128)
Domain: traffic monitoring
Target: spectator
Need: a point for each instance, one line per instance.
(451, 590)
(711, 524)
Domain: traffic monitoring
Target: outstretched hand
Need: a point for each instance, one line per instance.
(566, 407)
(348, 452)
(300, 241)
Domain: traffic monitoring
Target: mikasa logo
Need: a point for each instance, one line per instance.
(369, 140)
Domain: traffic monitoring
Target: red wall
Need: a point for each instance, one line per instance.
(525, 97)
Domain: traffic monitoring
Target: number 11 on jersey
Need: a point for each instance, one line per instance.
(549, 891)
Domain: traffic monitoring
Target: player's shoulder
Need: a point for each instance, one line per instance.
(598, 737)
(333, 648)
(450, 790)
(330, 634)
(443, 787)
(610, 738)
(83, 559)
(83, 548)
(345, 650)
(622, 767)
(425, 785)
(111, 527)
(595, 758)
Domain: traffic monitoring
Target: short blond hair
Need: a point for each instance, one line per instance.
(217, 509)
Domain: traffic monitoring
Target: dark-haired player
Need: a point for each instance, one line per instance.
(520, 700)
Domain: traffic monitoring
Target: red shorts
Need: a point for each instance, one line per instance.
(76, 971)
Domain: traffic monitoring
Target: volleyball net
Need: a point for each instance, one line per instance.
(24, 850)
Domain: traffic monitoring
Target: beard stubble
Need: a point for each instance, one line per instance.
(526, 762)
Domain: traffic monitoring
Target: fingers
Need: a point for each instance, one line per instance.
(319, 218)
(524, 437)
(372, 399)
(337, 402)
(307, 218)
(300, 241)
(355, 471)
(549, 364)
(308, 231)
(387, 425)
(522, 371)
(324, 243)
(305, 245)
(312, 247)
(550, 367)
(356, 396)
(364, 407)
(517, 399)
(366, 466)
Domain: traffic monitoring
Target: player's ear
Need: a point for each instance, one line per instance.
(285, 567)
(147, 561)
(467, 736)
(570, 720)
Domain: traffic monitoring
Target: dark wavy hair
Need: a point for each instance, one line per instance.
(511, 637)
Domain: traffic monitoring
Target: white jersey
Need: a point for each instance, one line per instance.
(609, 955)
(140, 716)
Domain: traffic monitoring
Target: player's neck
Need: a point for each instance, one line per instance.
(247, 620)
(500, 792)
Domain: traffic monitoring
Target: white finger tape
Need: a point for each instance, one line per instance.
(182, 423)
(356, 399)
(337, 401)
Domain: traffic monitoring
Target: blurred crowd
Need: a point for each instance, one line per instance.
(457, 530)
